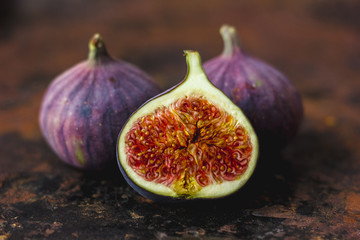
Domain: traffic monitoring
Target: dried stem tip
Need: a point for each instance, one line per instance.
(97, 49)
(230, 38)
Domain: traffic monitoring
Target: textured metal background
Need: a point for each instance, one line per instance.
(311, 190)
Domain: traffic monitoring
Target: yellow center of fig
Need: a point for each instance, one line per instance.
(188, 145)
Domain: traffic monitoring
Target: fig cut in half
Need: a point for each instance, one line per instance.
(189, 142)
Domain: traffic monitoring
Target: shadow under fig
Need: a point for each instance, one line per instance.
(269, 184)
(274, 182)
(279, 174)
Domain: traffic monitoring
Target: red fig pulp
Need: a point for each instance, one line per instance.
(266, 96)
(85, 107)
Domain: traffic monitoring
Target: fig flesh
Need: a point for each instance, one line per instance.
(85, 107)
(189, 142)
(266, 96)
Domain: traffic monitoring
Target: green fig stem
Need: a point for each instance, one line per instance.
(230, 38)
(193, 61)
(97, 50)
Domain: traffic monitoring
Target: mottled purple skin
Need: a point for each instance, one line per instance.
(266, 96)
(85, 108)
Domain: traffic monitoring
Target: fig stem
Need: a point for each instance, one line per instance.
(97, 50)
(230, 38)
(193, 61)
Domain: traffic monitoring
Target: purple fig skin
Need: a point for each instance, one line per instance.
(85, 107)
(265, 95)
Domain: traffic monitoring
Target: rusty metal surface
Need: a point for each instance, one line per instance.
(311, 190)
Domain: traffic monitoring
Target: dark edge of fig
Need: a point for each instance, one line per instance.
(170, 200)
(141, 191)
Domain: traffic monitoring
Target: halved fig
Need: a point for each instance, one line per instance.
(188, 142)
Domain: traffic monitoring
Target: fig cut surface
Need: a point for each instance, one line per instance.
(189, 142)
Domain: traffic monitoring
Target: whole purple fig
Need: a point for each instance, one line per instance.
(266, 96)
(85, 107)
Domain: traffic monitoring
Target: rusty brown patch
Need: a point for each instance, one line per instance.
(75, 235)
(134, 215)
(352, 206)
(43, 167)
(16, 195)
(231, 228)
(5, 236)
(275, 211)
(13, 120)
(353, 202)
(191, 233)
(142, 199)
(45, 229)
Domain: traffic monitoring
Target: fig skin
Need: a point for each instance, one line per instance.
(85, 107)
(194, 82)
(266, 96)
(150, 195)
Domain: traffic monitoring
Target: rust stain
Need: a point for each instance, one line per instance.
(275, 211)
(75, 235)
(228, 228)
(129, 236)
(16, 225)
(352, 206)
(16, 195)
(69, 186)
(287, 213)
(353, 202)
(50, 229)
(48, 232)
(13, 120)
(43, 167)
(5, 236)
(142, 199)
(192, 232)
(352, 219)
(302, 221)
(94, 210)
(53, 227)
(134, 215)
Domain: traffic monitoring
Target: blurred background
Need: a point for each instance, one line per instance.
(315, 43)
(314, 191)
